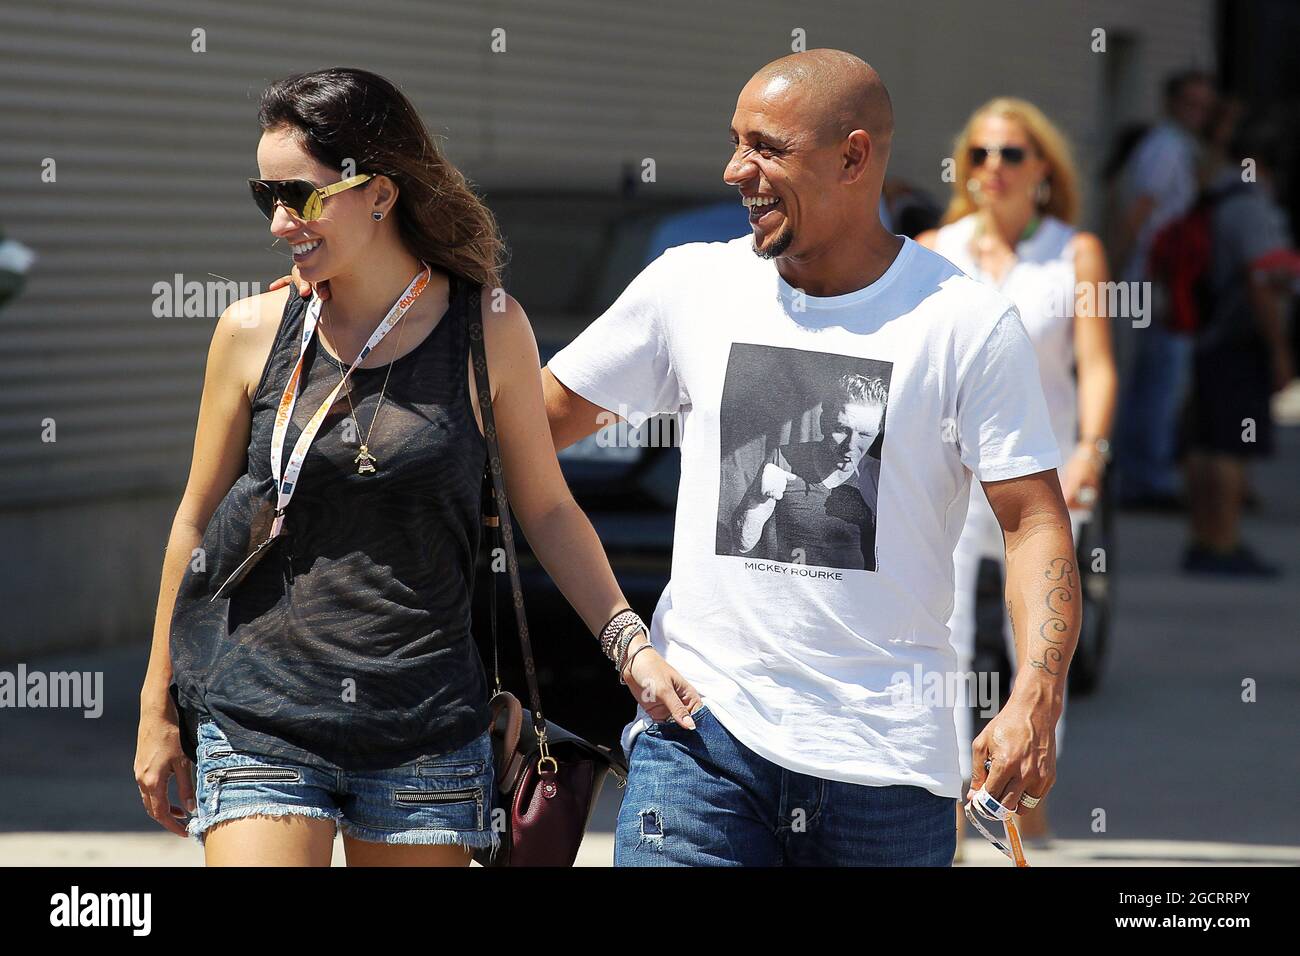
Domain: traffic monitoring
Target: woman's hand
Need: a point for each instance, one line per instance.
(158, 755)
(1083, 470)
(304, 287)
(662, 692)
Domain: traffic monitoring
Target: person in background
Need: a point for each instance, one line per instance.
(1220, 131)
(1011, 225)
(1241, 351)
(1159, 184)
(1111, 177)
(1216, 156)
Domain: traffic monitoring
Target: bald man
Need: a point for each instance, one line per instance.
(826, 735)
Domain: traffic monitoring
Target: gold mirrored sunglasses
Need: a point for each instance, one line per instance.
(304, 199)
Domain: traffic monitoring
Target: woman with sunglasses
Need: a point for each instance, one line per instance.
(1011, 224)
(313, 630)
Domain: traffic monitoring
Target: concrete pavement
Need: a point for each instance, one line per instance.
(162, 849)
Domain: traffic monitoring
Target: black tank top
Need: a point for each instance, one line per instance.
(349, 644)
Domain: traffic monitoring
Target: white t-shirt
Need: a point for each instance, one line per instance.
(796, 618)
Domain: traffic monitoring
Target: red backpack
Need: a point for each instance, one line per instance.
(1179, 261)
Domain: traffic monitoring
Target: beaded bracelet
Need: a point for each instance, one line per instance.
(613, 627)
(611, 645)
(625, 641)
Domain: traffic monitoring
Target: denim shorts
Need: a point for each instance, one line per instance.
(441, 798)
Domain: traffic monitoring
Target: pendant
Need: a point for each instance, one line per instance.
(366, 459)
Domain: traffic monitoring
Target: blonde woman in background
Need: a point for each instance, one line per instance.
(1010, 224)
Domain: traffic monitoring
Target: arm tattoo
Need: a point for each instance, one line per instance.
(1053, 630)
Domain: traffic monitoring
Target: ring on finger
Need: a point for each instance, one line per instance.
(1029, 802)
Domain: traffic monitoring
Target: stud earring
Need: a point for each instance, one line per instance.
(376, 215)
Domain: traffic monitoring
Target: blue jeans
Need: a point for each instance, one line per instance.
(702, 798)
(1150, 410)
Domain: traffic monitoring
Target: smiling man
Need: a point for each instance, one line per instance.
(804, 752)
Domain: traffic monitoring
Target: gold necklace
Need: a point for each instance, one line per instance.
(366, 460)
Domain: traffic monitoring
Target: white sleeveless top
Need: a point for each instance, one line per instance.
(1041, 283)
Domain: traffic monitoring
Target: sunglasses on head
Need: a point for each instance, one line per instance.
(305, 200)
(1011, 155)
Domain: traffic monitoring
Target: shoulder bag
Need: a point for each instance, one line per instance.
(547, 779)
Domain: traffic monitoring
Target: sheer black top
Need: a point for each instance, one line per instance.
(348, 645)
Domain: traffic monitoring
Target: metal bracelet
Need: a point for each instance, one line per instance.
(611, 646)
(620, 650)
(625, 640)
(630, 659)
(625, 622)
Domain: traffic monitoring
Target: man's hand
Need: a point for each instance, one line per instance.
(304, 287)
(1020, 743)
(661, 691)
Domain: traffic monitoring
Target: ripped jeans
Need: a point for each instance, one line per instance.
(702, 798)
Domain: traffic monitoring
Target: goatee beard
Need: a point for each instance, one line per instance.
(779, 245)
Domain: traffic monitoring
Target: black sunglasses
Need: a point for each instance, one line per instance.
(305, 200)
(1011, 155)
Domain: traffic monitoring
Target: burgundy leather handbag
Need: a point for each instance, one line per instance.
(547, 779)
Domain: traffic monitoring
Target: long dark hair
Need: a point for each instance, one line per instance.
(349, 114)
